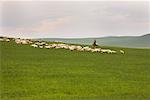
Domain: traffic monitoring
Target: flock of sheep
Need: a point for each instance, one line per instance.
(71, 47)
(38, 44)
(4, 39)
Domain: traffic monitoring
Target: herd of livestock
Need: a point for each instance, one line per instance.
(43, 44)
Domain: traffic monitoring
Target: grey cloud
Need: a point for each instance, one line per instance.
(85, 18)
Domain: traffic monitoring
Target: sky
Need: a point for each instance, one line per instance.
(74, 19)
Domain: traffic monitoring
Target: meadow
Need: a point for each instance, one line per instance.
(29, 73)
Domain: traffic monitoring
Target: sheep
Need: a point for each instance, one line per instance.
(78, 48)
(65, 47)
(122, 52)
(7, 40)
(95, 50)
(37, 43)
(18, 41)
(105, 51)
(108, 51)
(21, 41)
(57, 47)
(72, 48)
(40, 46)
(81, 49)
(48, 46)
(1, 39)
(24, 42)
(29, 41)
(112, 51)
(54, 45)
(43, 43)
(86, 48)
(34, 45)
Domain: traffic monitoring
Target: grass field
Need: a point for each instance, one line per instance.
(48, 74)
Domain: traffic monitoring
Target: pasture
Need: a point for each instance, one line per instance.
(29, 73)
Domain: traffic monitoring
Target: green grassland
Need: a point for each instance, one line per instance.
(56, 74)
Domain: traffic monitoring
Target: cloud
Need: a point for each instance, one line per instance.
(43, 27)
(47, 26)
(74, 19)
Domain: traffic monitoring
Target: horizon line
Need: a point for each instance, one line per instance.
(75, 37)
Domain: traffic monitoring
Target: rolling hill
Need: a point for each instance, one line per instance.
(118, 41)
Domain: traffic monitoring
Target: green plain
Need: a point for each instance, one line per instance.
(56, 74)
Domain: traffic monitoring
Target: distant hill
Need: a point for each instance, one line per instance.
(119, 41)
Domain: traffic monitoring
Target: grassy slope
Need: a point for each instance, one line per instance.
(40, 74)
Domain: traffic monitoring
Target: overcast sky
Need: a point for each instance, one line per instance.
(78, 19)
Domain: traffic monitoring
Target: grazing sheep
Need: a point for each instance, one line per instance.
(34, 45)
(72, 48)
(7, 40)
(95, 50)
(54, 45)
(24, 42)
(37, 43)
(18, 41)
(57, 47)
(1, 39)
(66, 47)
(87, 49)
(81, 49)
(78, 48)
(122, 52)
(48, 46)
(105, 51)
(112, 51)
(40, 46)
(43, 43)
(62, 46)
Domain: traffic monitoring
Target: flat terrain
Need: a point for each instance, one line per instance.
(48, 74)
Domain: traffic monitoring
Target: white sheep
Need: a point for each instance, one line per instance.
(95, 50)
(37, 43)
(112, 51)
(54, 45)
(1, 39)
(105, 51)
(78, 48)
(40, 46)
(7, 40)
(48, 46)
(57, 47)
(66, 47)
(72, 48)
(24, 42)
(34, 45)
(18, 41)
(122, 52)
(86, 48)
